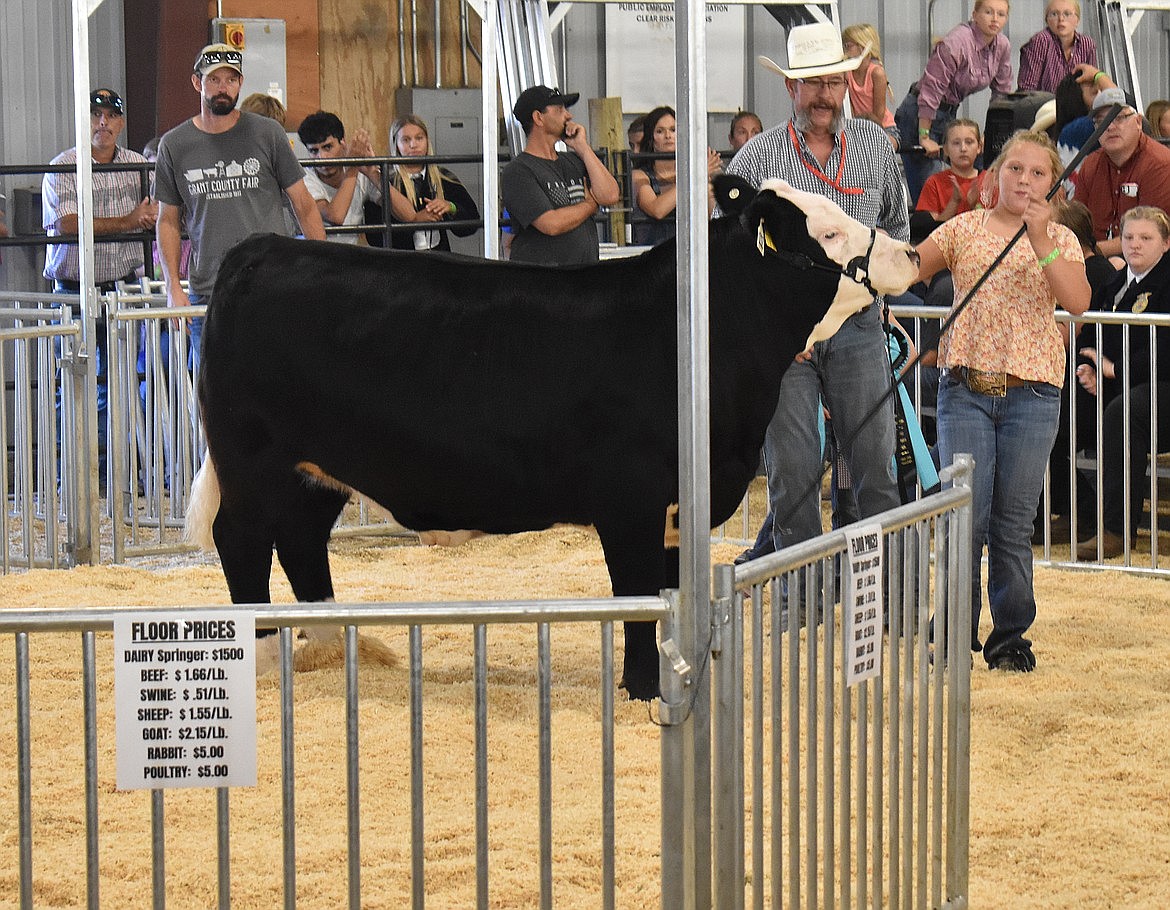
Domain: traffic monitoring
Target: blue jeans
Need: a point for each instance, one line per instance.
(196, 337)
(1010, 439)
(850, 371)
(917, 166)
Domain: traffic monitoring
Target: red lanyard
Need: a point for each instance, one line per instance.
(821, 175)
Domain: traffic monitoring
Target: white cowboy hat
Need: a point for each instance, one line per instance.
(814, 50)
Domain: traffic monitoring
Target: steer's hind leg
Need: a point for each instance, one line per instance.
(244, 544)
(634, 556)
(302, 544)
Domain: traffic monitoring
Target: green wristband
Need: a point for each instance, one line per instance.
(1050, 258)
(1099, 74)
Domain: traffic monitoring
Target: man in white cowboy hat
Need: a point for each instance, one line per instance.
(851, 162)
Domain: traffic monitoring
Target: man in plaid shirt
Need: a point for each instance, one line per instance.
(851, 162)
(119, 207)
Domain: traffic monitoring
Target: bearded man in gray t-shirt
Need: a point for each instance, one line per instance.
(228, 170)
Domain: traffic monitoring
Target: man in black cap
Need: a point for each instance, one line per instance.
(119, 207)
(552, 196)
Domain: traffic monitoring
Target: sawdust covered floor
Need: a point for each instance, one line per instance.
(1070, 771)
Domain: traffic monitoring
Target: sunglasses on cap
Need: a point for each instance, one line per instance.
(221, 58)
(107, 99)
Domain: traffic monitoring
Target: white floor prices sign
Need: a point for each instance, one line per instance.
(861, 601)
(185, 690)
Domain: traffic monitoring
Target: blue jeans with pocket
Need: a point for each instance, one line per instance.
(1010, 439)
(850, 372)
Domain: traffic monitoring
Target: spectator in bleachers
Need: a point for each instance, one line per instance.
(340, 192)
(552, 196)
(266, 106)
(636, 133)
(969, 58)
(434, 194)
(869, 88)
(744, 126)
(955, 190)
(1128, 170)
(1056, 51)
(1158, 115)
(1099, 271)
(119, 207)
(655, 186)
(1142, 287)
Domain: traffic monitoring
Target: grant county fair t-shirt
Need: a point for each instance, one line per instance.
(231, 185)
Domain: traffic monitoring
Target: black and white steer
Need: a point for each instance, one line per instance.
(460, 393)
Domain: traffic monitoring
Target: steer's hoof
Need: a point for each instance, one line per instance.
(640, 687)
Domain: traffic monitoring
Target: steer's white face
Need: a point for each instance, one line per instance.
(893, 265)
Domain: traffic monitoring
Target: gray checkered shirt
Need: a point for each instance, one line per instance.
(870, 165)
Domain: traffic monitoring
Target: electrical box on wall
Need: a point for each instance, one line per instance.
(262, 42)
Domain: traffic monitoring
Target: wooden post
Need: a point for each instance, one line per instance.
(606, 132)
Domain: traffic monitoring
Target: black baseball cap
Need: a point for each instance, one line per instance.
(538, 98)
(107, 98)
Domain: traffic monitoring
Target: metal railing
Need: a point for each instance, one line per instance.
(859, 795)
(95, 732)
(45, 518)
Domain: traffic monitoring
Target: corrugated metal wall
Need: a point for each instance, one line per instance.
(903, 26)
(36, 99)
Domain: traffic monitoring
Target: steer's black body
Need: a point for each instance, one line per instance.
(462, 393)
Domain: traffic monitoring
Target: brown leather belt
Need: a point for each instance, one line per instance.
(984, 382)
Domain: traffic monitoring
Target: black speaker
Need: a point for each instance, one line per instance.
(1009, 113)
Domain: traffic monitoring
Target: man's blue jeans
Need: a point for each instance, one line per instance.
(850, 371)
(195, 338)
(1010, 439)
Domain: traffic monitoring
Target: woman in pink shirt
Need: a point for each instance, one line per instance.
(868, 85)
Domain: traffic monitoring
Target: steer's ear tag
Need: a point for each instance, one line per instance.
(764, 239)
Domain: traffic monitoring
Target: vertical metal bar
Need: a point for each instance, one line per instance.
(608, 877)
(1152, 347)
(942, 656)
(438, 44)
(758, 677)
(959, 702)
(915, 596)
(24, 771)
(89, 699)
(4, 491)
(481, 768)
(224, 852)
(727, 739)
(417, 841)
(544, 680)
(906, 644)
(288, 784)
(777, 744)
(845, 796)
(1126, 444)
(677, 750)
(828, 753)
(352, 778)
(812, 803)
(158, 851)
(792, 632)
(863, 817)
(895, 728)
